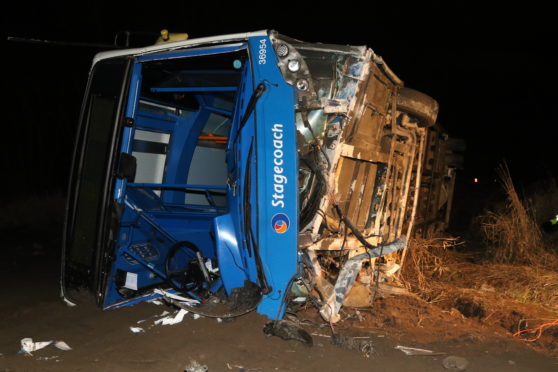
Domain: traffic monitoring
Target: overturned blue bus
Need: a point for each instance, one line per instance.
(229, 174)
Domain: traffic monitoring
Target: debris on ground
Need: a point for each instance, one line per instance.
(416, 351)
(288, 330)
(54, 357)
(28, 346)
(362, 344)
(194, 366)
(455, 363)
(137, 330)
(170, 320)
(167, 294)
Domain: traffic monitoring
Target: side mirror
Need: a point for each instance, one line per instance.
(127, 167)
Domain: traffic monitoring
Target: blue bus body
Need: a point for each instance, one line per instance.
(218, 169)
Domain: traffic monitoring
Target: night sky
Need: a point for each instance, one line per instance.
(493, 71)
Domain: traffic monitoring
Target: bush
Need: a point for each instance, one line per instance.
(513, 235)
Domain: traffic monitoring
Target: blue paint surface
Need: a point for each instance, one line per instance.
(277, 176)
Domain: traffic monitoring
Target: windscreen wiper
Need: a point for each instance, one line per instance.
(260, 89)
(251, 243)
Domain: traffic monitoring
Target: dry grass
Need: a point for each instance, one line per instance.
(512, 234)
(437, 273)
(525, 284)
(426, 261)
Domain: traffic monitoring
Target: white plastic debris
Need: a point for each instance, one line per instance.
(416, 351)
(189, 301)
(156, 302)
(299, 299)
(28, 346)
(194, 366)
(68, 302)
(169, 320)
(131, 281)
(62, 345)
(137, 329)
(196, 316)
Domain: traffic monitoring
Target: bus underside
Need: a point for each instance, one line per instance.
(227, 179)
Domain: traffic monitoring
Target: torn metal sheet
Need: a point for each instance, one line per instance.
(348, 274)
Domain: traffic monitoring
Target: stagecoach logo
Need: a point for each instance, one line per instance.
(280, 223)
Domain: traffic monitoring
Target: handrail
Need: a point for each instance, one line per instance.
(178, 186)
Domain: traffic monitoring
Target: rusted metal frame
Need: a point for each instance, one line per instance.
(408, 164)
(409, 169)
(422, 133)
(394, 207)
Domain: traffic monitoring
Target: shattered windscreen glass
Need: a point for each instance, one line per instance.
(335, 77)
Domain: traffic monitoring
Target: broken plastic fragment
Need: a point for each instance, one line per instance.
(169, 320)
(416, 351)
(62, 345)
(28, 346)
(68, 302)
(194, 366)
(137, 329)
(189, 301)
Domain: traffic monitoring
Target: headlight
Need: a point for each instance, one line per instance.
(282, 50)
(302, 84)
(293, 65)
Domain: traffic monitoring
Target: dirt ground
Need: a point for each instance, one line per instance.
(102, 340)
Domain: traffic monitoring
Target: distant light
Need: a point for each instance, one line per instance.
(475, 180)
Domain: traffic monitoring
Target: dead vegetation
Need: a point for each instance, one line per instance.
(513, 285)
(512, 234)
(509, 297)
(427, 262)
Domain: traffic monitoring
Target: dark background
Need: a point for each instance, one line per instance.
(492, 69)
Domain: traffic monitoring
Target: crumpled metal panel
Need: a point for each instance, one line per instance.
(361, 159)
(364, 155)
